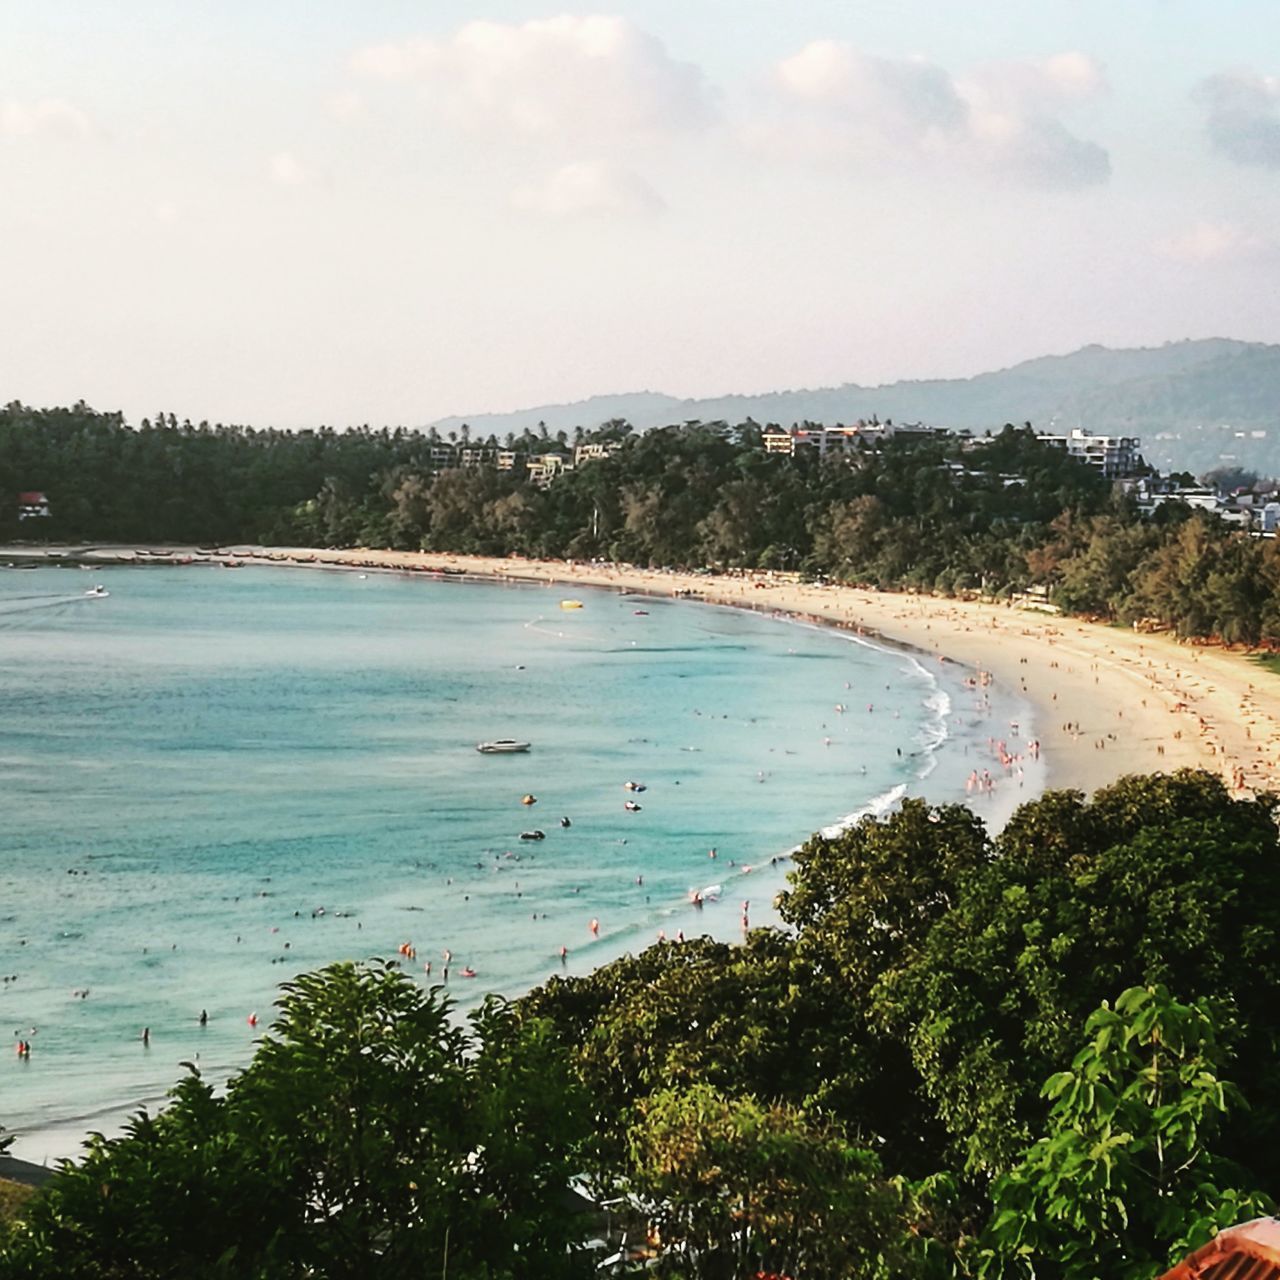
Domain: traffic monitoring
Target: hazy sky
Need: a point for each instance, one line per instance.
(305, 211)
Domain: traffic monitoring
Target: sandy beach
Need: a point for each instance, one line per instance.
(1107, 700)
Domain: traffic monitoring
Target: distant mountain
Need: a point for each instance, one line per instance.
(1197, 404)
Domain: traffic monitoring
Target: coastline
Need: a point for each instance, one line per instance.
(1135, 703)
(1131, 692)
(1107, 701)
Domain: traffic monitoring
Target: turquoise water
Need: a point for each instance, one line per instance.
(196, 764)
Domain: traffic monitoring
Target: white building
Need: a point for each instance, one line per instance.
(1114, 456)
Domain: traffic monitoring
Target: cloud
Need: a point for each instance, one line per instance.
(907, 99)
(1207, 242)
(586, 189)
(1243, 116)
(347, 105)
(568, 76)
(287, 170)
(50, 117)
(839, 102)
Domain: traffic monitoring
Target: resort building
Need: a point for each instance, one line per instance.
(1114, 456)
(544, 467)
(32, 505)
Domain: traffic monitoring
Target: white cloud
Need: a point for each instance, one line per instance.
(586, 189)
(49, 117)
(347, 105)
(839, 102)
(1243, 116)
(287, 170)
(907, 99)
(571, 76)
(1207, 242)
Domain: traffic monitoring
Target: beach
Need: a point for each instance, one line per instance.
(1109, 701)
(1100, 701)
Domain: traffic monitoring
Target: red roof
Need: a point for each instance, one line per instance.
(1247, 1252)
(32, 499)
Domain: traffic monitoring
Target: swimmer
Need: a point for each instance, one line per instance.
(204, 1017)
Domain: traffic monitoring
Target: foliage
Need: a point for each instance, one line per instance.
(1125, 1182)
(924, 514)
(1162, 879)
(857, 1094)
(739, 1187)
(370, 1134)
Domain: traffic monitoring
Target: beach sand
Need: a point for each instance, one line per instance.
(1108, 701)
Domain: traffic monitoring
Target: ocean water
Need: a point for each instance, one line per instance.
(212, 780)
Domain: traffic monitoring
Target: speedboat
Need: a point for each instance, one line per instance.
(630, 806)
(98, 591)
(501, 746)
(633, 786)
(533, 835)
(571, 604)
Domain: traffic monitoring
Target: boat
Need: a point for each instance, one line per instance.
(564, 822)
(529, 799)
(634, 786)
(502, 746)
(630, 806)
(533, 835)
(640, 613)
(571, 604)
(97, 592)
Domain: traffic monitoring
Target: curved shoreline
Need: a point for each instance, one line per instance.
(1107, 701)
(1153, 703)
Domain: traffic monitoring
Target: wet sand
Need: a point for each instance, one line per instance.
(1108, 700)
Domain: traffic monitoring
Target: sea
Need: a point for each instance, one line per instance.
(212, 780)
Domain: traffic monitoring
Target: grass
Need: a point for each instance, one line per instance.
(1269, 661)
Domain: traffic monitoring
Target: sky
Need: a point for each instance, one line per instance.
(295, 212)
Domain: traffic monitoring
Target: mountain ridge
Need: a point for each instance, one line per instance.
(1197, 403)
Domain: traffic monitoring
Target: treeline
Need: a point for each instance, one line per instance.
(1051, 1054)
(1008, 515)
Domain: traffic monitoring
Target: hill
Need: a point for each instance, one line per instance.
(1196, 404)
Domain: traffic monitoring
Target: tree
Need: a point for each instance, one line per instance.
(1126, 1179)
(736, 1188)
(370, 1135)
(1158, 880)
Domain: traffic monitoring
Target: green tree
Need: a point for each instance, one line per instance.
(1126, 1180)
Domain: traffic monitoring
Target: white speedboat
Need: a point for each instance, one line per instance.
(98, 591)
(502, 746)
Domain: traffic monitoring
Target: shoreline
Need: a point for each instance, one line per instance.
(1153, 704)
(1041, 661)
(59, 1135)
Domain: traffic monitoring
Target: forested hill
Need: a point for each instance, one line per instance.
(996, 515)
(1187, 400)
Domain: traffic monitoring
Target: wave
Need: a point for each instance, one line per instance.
(875, 807)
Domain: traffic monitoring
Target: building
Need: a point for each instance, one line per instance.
(475, 455)
(544, 467)
(442, 456)
(33, 505)
(1114, 456)
(510, 460)
(594, 452)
